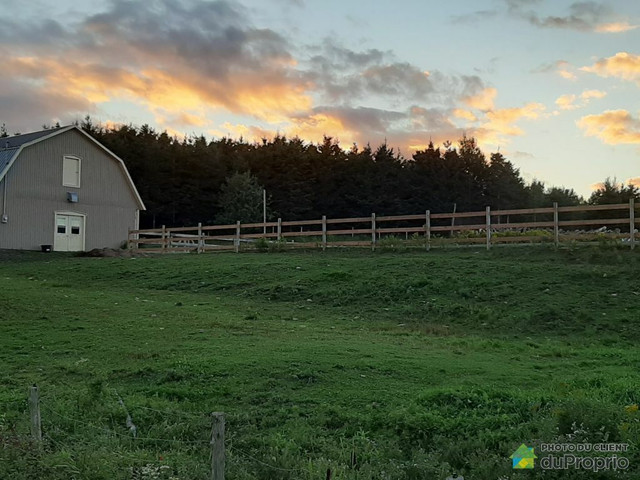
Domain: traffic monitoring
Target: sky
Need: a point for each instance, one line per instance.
(552, 85)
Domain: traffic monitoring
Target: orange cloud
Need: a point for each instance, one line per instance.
(193, 120)
(589, 94)
(567, 75)
(272, 100)
(315, 127)
(612, 127)
(622, 65)
(464, 114)
(501, 122)
(565, 102)
(483, 100)
(563, 70)
(634, 182)
(616, 27)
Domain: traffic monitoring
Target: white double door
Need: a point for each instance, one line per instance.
(69, 234)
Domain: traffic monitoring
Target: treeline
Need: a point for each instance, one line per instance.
(181, 180)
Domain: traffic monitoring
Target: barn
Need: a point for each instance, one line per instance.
(62, 189)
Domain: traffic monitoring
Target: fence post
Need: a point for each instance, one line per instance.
(264, 212)
(129, 239)
(217, 446)
(488, 215)
(556, 229)
(427, 226)
(34, 411)
(632, 223)
(236, 240)
(200, 238)
(324, 232)
(453, 219)
(373, 231)
(164, 239)
(279, 229)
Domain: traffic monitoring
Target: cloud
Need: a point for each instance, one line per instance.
(482, 100)
(567, 101)
(635, 182)
(184, 119)
(167, 56)
(622, 65)
(362, 125)
(186, 62)
(501, 123)
(561, 67)
(464, 114)
(522, 155)
(340, 74)
(589, 94)
(615, 27)
(21, 103)
(585, 16)
(566, 74)
(612, 127)
(474, 17)
(397, 79)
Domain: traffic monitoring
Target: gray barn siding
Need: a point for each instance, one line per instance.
(35, 192)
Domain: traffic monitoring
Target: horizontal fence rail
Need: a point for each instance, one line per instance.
(617, 222)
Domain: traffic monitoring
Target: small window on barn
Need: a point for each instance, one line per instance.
(75, 226)
(71, 171)
(61, 224)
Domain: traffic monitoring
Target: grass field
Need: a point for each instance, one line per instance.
(383, 365)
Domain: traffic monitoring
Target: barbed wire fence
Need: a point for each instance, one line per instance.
(61, 426)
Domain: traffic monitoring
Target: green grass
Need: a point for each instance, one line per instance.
(386, 365)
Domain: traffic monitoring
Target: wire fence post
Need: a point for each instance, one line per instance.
(427, 227)
(34, 411)
(632, 223)
(236, 240)
(453, 219)
(217, 446)
(373, 231)
(324, 232)
(556, 228)
(488, 215)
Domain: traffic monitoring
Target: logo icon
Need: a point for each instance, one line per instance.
(523, 457)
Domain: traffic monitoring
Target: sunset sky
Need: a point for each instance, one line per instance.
(555, 85)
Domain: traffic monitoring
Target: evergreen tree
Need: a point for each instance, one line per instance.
(505, 187)
(241, 198)
(613, 192)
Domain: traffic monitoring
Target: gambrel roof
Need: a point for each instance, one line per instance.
(10, 148)
(20, 139)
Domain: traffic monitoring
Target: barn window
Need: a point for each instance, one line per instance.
(75, 225)
(71, 171)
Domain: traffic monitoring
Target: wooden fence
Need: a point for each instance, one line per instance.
(489, 227)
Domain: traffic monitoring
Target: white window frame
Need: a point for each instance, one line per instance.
(72, 157)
